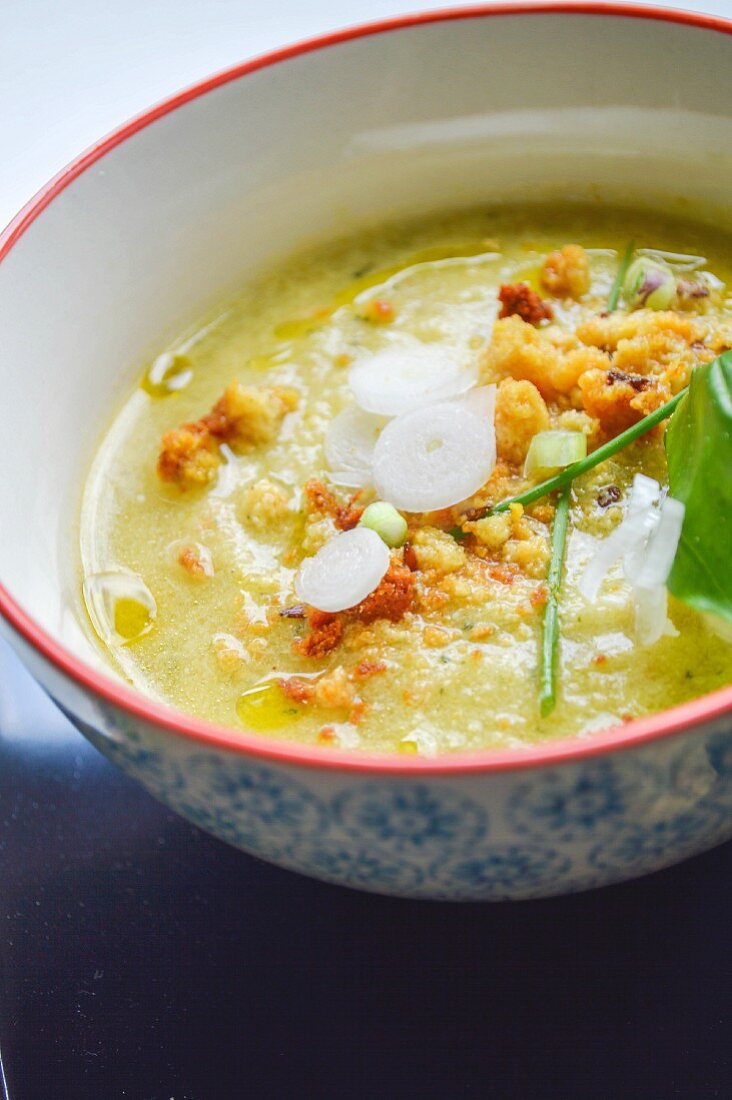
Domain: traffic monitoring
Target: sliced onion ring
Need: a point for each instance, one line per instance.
(437, 456)
(349, 445)
(396, 381)
(351, 479)
(344, 571)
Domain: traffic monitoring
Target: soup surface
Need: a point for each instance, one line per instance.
(192, 538)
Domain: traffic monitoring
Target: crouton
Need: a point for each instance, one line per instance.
(618, 399)
(265, 504)
(552, 360)
(566, 272)
(248, 416)
(607, 330)
(245, 417)
(189, 457)
(492, 531)
(435, 550)
(334, 690)
(521, 412)
(322, 501)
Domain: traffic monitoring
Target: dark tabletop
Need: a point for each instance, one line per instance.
(143, 959)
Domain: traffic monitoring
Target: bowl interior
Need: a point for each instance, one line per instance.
(169, 217)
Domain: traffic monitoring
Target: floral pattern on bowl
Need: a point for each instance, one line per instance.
(487, 836)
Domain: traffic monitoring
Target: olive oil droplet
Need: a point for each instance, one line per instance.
(266, 707)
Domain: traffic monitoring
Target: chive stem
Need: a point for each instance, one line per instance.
(558, 481)
(550, 632)
(614, 295)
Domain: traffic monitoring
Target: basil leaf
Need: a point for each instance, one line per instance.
(699, 450)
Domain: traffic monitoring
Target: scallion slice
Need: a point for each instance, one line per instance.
(553, 450)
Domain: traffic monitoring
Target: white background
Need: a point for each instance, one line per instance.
(72, 70)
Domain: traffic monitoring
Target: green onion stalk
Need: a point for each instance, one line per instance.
(550, 633)
(563, 482)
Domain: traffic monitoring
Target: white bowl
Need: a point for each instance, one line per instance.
(168, 215)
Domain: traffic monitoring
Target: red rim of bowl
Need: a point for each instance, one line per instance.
(634, 733)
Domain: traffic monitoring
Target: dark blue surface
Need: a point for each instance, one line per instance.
(142, 959)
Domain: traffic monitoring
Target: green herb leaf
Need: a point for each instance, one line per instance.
(550, 636)
(699, 450)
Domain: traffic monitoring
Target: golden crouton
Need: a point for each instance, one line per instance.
(549, 358)
(248, 416)
(521, 412)
(334, 690)
(189, 456)
(492, 531)
(574, 420)
(437, 551)
(607, 330)
(515, 539)
(566, 273)
(618, 399)
(317, 531)
(265, 504)
(530, 554)
(245, 417)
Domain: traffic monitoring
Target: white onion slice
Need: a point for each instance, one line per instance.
(651, 613)
(651, 565)
(481, 402)
(437, 456)
(647, 540)
(351, 479)
(396, 381)
(349, 446)
(344, 571)
(631, 533)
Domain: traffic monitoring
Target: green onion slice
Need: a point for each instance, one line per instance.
(553, 450)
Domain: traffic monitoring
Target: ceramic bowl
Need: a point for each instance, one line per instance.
(155, 224)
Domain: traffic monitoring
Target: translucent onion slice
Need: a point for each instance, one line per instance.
(120, 605)
(651, 613)
(481, 402)
(396, 381)
(651, 565)
(349, 446)
(627, 537)
(553, 450)
(437, 456)
(351, 479)
(344, 571)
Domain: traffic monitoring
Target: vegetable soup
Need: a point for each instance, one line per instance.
(454, 484)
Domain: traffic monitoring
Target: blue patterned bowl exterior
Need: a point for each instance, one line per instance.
(480, 835)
